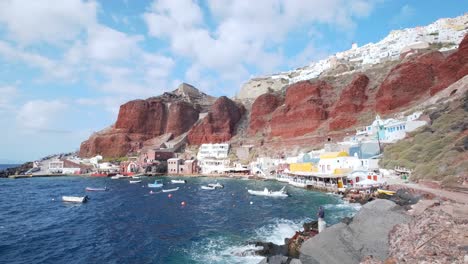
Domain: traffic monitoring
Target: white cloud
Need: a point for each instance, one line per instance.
(245, 31)
(41, 114)
(49, 21)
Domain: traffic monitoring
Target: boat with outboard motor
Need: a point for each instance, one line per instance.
(208, 187)
(92, 189)
(135, 181)
(156, 184)
(266, 192)
(216, 185)
(170, 190)
(178, 181)
(75, 199)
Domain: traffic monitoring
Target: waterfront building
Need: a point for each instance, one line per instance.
(56, 166)
(173, 165)
(158, 155)
(209, 166)
(337, 163)
(217, 151)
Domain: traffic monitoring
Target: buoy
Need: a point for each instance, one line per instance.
(182, 203)
(169, 195)
(251, 202)
(151, 192)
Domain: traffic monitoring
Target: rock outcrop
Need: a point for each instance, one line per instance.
(351, 101)
(218, 125)
(141, 120)
(258, 86)
(366, 235)
(261, 111)
(304, 110)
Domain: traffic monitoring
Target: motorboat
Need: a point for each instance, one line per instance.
(208, 187)
(136, 177)
(178, 181)
(92, 189)
(118, 176)
(266, 192)
(156, 184)
(135, 181)
(216, 185)
(170, 190)
(75, 199)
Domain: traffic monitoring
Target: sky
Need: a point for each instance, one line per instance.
(67, 65)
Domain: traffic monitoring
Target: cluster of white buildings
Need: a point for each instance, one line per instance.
(448, 31)
(213, 158)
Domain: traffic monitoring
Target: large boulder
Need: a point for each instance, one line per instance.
(351, 101)
(366, 235)
(218, 125)
(261, 111)
(304, 109)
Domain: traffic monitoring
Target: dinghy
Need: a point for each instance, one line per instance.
(75, 199)
(266, 192)
(208, 188)
(170, 190)
(118, 176)
(156, 184)
(216, 185)
(91, 189)
(178, 181)
(137, 181)
(136, 177)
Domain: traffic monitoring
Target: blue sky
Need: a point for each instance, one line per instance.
(66, 66)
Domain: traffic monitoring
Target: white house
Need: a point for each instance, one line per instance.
(217, 151)
(337, 163)
(208, 166)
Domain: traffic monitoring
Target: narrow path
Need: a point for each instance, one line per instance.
(455, 196)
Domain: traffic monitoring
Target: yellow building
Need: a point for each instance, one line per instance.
(334, 155)
(302, 167)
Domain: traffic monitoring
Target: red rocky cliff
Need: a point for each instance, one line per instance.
(218, 125)
(304, 110)
(140, 120)
(351, 101)
(262, 108)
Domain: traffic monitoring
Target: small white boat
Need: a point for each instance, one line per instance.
(118, 176)
(178, 181)
(75, 199)
(266, 192)
(136, 177)
(156, 184)
(91, 189)
(137, 181)
(208, 188)
(170, 190)
(216, 185)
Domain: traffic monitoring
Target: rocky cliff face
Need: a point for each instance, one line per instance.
(262, 108)
(140, 120)
(218, 125)
(421, 77)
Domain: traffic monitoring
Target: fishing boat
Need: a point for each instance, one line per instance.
(208, 187)
(75, 199)
(387, 192)
(156, 184)
(178, 181)
(170, 190)
(92, 189)
(216, 185)
(266, 192)
(118, 176)
(135, 181)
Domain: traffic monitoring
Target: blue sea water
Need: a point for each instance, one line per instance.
(127, 224)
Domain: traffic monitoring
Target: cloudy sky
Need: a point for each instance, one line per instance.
(67, 65)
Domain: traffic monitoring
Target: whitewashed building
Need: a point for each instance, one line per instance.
(217, 151)
(210, 166)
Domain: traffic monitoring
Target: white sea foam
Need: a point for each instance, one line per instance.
(279, 230)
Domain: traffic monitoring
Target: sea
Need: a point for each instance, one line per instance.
(128, 224)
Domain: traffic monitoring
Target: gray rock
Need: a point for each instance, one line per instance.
(366, 235)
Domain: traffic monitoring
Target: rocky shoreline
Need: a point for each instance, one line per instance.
(387, 229)
(16, 170)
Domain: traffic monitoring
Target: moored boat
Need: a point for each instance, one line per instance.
(266, 192)
(92, 189)
(99, 174)
(75, 199)
(387, 192)
(216, 185)
(156, 184)
(136, 177)
(208, 187)
(118, 176)
(135, 181)
(178, 181)
(170, 190)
